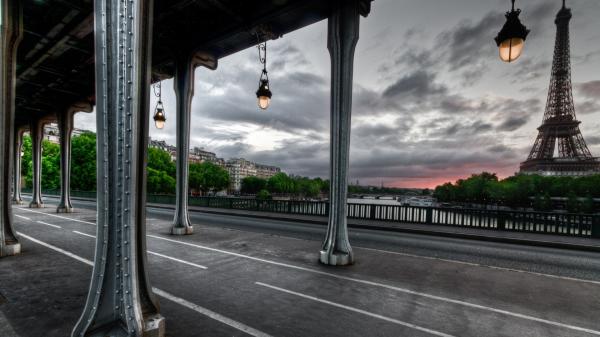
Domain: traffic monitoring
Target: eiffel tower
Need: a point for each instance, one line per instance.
(560, 128)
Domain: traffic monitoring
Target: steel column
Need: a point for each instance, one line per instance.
(11, 31)
(184, 92)
(18, 148)
(36, 130)
(120, 300)
(342, 36)
(65, 128)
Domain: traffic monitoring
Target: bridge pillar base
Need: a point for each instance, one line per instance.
(36, 205)
(154, 326)
(64, 209)
(17, 202)
(182, 230)
(336, 259)
(10, 250)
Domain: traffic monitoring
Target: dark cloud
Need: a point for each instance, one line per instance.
(513, 123)
(418, 85)
(589, 89)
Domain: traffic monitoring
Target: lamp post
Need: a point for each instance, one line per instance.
(511, 38)
(159, 110)
(263, 94)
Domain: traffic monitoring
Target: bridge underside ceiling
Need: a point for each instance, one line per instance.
(56, 56)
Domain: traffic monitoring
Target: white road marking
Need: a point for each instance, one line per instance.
(48, 224)
(209, 313)
(385, 318)
(155, 253)
(151, 219)
(387, 286)
(57, 216)
(23, 217)
(62, 251)
(84, 234)
(178, 260)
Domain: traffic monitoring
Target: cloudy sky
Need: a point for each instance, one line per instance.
(432, 100)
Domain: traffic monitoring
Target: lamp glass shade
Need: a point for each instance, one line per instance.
(159, 118)
(263, 102)
(510, 49)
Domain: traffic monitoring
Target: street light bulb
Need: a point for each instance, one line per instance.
(263, 102)
(264, 94)
(159, 124)
(159, 116)
(511, 49)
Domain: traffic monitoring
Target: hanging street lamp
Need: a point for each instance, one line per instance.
(263, 93)
(511, 38)
(159, 111)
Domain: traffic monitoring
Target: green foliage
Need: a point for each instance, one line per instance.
(207, 177)
(159, 182)
(83, 162)
(160, 160)
(50, 164)
(252, 185)
(263, 195)
(281, 183)
(519, 190)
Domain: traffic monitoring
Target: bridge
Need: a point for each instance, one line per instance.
(115, 268)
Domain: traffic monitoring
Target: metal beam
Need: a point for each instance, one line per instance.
(120, 299)
(342, 36)
(36, 130)
(11, 32)
(17, 200)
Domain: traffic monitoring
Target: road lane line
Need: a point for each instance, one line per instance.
(48, 224)
(211, 314)
(57, 216)
(201, 310)
(390, 287)
(62, 251)
(22, 217)
(155, 253)
(338, 305)
(84, 234)
(178, 260)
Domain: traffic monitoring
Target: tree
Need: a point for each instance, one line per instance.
(207, 177)
(263, 195)
(50, 164)
(160, 160)
(280, 183)
(83, 162)
(160, 182)
(252, 185)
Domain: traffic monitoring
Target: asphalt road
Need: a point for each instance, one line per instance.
(238, 276)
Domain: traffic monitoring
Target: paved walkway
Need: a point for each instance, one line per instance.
(225, 282)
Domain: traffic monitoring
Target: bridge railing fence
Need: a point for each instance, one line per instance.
(569, 224)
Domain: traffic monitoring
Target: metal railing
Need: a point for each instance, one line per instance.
(569, 224)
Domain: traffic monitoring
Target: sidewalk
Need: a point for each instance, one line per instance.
(542, 240)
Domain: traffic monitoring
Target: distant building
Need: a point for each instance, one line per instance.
(52, 134)
(198, 155)
(240, 168)
(266, 171)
